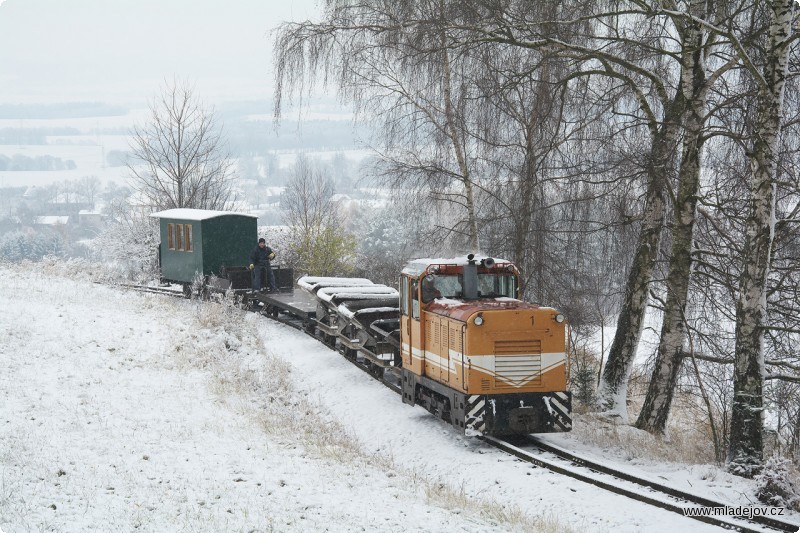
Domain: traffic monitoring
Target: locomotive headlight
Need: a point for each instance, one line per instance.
(559, 318)
(478, 320)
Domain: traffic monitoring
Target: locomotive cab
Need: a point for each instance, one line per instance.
(476, 355)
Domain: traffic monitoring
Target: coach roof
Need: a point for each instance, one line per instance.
(196, 214)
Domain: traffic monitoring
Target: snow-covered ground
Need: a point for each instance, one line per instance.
(121, 410)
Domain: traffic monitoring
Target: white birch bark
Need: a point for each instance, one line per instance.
(612, 391)
(660, 392)
(457, 141)
(745, 454)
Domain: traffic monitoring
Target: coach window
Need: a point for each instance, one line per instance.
(188, 234)
(179, 237)
(171, 236)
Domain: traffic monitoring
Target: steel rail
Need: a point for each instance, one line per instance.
(739, 523)
(145, 288)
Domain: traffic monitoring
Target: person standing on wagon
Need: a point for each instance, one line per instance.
(260, 259)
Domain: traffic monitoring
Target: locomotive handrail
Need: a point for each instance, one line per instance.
(464, 384)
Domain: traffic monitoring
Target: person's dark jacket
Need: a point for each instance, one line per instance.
(260, 256)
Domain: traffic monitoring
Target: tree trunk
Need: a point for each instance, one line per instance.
(661, 390)
(529, 240)
(524, 213)
(745, 455)
(613, 388)
(458, 147)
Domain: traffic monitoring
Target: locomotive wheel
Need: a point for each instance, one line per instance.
(329, 340)
(270, 310)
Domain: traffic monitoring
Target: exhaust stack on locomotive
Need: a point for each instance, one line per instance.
(477, 356)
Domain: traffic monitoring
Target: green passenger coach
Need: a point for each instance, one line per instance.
(202, 242)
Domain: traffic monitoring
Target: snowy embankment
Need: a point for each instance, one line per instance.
(121, 410)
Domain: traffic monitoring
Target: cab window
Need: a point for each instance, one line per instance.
(404, 282)
(494, 286)
(415, 299)
(449, 286)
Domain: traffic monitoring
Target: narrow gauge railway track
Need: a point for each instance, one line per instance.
(300, 312)
(530, 449)
(147, 288)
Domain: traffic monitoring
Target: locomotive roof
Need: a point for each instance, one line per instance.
(418, 266)
(196, 214)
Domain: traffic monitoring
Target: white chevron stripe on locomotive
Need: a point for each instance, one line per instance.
(477, 407)
(486, 363)
(563, 419)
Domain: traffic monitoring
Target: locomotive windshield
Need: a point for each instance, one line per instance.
(494, 286)
(489, 286)
(448, 286)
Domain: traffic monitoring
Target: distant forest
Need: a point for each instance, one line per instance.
(20, 162)
(20, 136)
(60, 110)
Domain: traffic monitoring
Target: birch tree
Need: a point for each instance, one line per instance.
(745, 455)
(697, 47)
(532, 118)
(606, 49)
(394, 62)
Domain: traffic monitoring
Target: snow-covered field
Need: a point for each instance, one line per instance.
(88, 149)
(128, 411)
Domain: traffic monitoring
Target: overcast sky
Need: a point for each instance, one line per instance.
(121, 50)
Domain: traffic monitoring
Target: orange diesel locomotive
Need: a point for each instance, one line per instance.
(475, 355)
